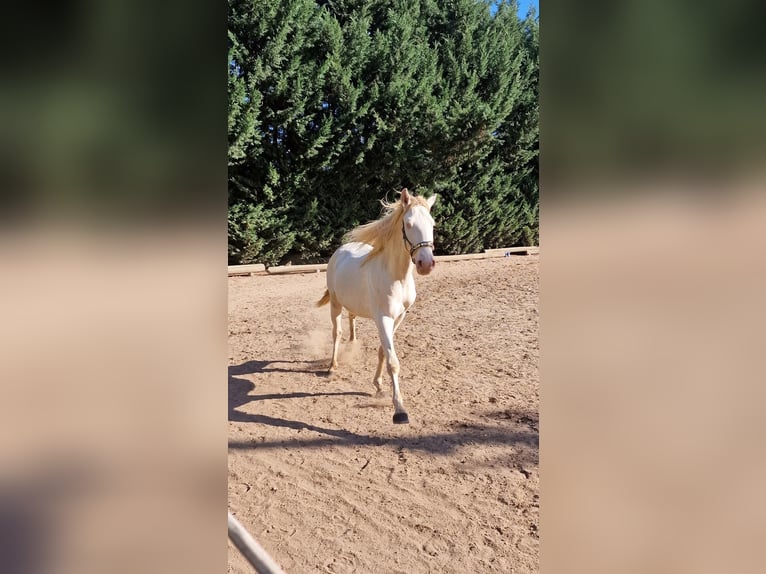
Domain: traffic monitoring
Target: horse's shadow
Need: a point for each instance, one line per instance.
(240, 389)
(446, 442)
(257, 367)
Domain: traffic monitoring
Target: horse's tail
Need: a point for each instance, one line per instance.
(325, 298)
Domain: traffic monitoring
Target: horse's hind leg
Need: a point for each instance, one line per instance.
(352, 326)
(378, 380)
(335, 311)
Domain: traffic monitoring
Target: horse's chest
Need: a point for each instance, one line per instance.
(408, 294)
(391, 299)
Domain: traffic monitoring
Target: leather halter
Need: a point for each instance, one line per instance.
(414, 248)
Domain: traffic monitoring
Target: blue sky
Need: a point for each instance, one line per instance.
(525, 5)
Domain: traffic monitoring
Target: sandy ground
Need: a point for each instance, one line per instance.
(323, 479)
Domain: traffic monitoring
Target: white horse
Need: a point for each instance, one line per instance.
(371, 276)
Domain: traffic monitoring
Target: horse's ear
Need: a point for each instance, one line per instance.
(431, 200)
(405, 197)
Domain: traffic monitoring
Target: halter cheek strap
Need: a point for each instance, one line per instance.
(414, 248)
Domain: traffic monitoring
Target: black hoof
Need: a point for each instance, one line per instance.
(401, 419)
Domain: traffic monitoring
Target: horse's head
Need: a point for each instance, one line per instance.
(418, 231)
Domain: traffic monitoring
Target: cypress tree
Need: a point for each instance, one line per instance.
(334, 104)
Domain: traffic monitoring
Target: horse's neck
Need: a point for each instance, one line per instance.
(398, 262)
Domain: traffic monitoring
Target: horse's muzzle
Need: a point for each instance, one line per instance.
(425, 266)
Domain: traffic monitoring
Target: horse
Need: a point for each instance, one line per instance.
(371, 275)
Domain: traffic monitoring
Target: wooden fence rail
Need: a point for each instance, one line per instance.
(316, 268)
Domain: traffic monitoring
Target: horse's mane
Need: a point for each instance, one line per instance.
(385, 230)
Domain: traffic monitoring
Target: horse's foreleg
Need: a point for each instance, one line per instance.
(352, 326)
(378, 380)
(386, 328)
(335, 311)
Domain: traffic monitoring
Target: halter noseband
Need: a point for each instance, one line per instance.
(414, 248)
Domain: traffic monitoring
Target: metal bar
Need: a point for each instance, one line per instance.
(250, 549)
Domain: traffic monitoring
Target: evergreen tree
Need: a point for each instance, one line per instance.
(334, 104)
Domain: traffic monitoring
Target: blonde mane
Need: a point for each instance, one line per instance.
(387, 229)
